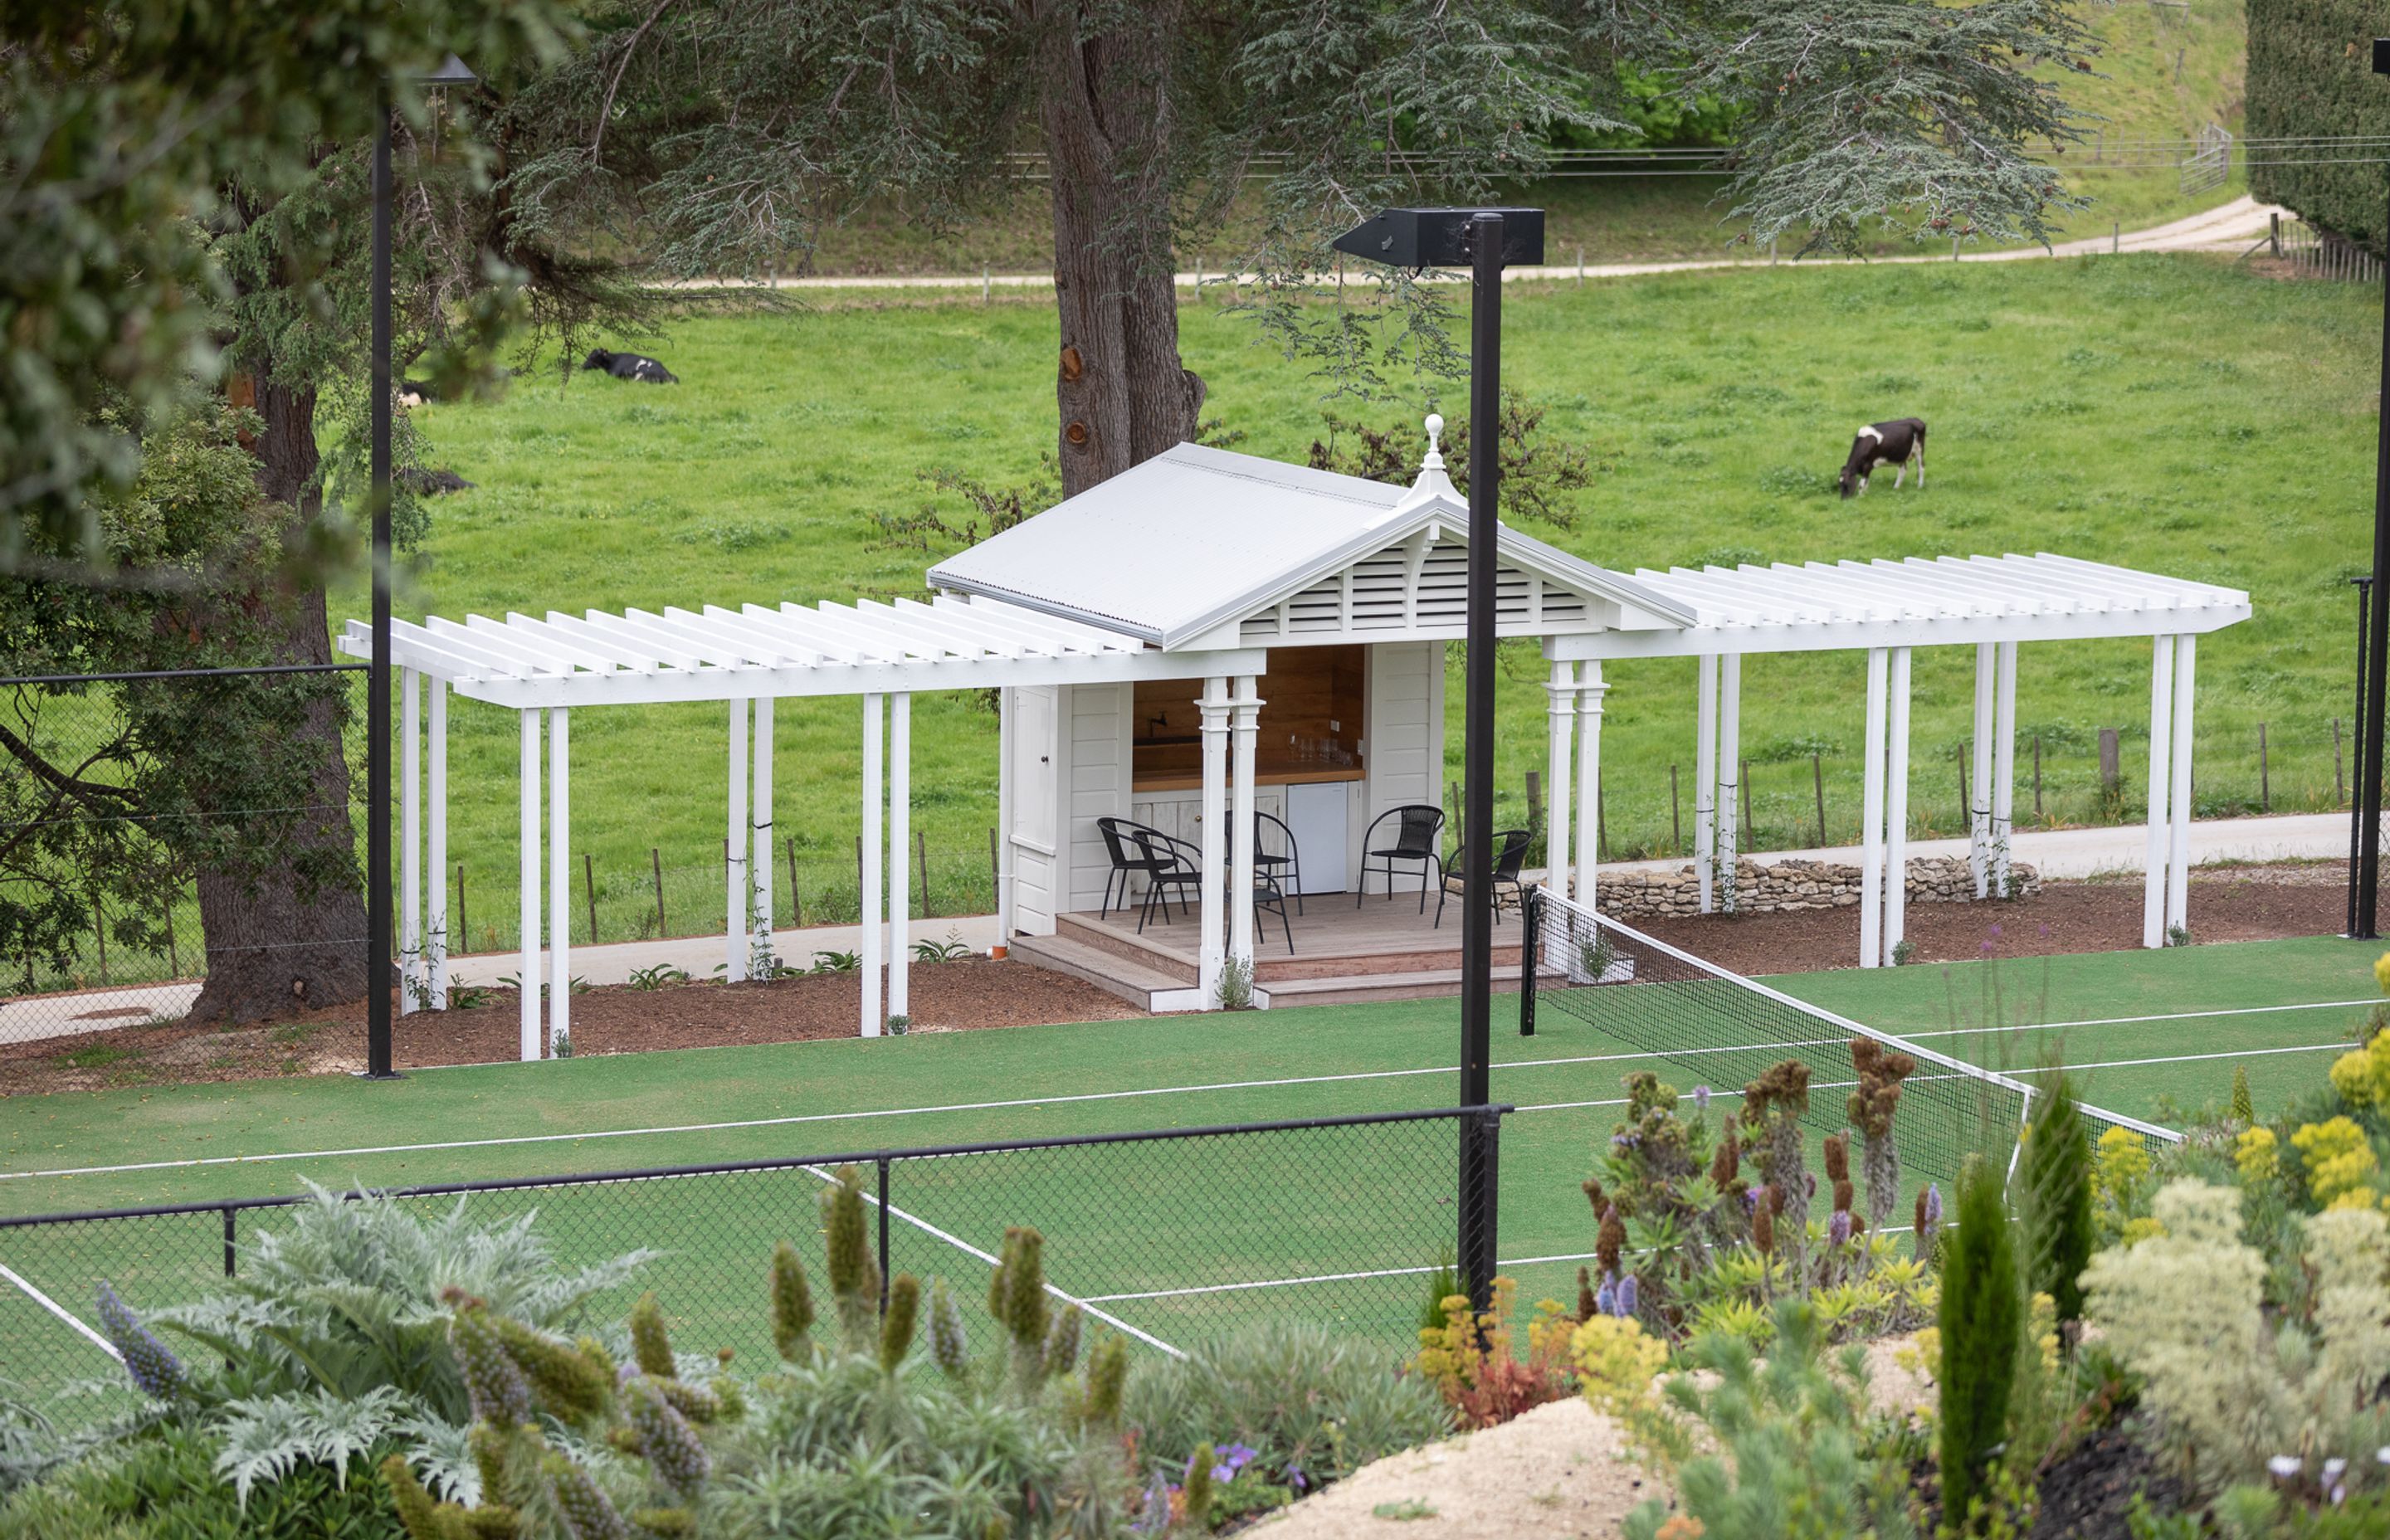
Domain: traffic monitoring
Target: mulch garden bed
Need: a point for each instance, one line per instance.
(949, 997)
(2246, 904)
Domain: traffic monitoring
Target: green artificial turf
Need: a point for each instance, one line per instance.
(1120, 1218)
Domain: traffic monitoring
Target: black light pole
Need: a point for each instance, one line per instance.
(1487, 239)
(2355, 928)
(2377, 636)
(452, 71)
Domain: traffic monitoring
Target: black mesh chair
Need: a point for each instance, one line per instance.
(1126, 857)
(1510, 859)
(1167, 863)
(1418, 836)
(1268, 895)
(1282, 866)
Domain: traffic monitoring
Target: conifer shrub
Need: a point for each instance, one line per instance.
(2055, 1170)
(1982, 1318)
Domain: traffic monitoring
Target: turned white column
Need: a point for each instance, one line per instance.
(2185, 655)
(2003, 768)
(1590, 690)
(868, 907)
(1213, 705)
(560, 883)
(1560, 729)
(1006, 699)
(1704, 771)
(1872, 816)
(734, 853)
(900, 856)
(1241, 837)
(1730, 774)
(1979, 804)
(440, 944)
(2153, 879)
(411, 971)
(760, 942)
(528, 878)
(1896, 805)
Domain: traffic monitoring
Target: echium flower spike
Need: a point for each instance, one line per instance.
(1062, 1342)
(792, 1306)
(897, 1326)
(854, 1270)
(949, 1348)
(589, 1514)
(1198, 1488)
(1107, 1373)
(665, 1438)
(499, 1394)
(1627, 1295)
(1838, 1228)
(156, 1371)
(1023, 1312)
(563, 1379)
(649, 1344)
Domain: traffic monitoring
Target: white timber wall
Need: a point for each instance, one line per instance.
(1404, 747)
(1095, 775)
(1035, 774)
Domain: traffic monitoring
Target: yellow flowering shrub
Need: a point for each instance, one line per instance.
(1615, 1361)
(1921, 1354)
(2381, 973)
(2258, 1155)
(2362, 1077)
(2338, 1160)
(2124, 1161)
(2137, 1230)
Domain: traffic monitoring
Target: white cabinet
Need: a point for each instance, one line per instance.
(1316, 816)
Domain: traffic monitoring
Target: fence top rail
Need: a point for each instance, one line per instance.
(184, 674)
(785, 1162)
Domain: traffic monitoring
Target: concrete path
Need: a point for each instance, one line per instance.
(2065, 853)
(2231, 226)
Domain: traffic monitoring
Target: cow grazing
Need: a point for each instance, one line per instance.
(1899, 442)
(417, 393)
(630, 365)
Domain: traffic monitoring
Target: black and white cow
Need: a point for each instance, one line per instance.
(1899, 442)
(630, 365)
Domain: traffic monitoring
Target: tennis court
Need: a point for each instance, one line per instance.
(1173, 1240)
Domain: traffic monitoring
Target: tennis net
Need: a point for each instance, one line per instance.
(1723, 1030)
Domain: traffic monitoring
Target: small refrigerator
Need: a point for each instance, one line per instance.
(1316, 814)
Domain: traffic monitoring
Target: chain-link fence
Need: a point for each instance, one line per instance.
(178, 838)
(1171, 1237)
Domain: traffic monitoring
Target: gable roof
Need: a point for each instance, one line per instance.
(1195, 538)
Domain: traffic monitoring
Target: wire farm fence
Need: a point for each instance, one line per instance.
(1170, 1237)
(157, 828)
(2316, 253)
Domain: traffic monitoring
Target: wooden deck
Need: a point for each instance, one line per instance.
(1380, 950)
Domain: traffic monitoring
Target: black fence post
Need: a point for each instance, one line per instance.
(229, 1221)
(884, 1165)
(1531, 946)
(1481, 1143)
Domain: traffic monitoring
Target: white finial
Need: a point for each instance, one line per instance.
(1434, 460)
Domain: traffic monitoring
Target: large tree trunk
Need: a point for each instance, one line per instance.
(1124, 395)
(285, 931)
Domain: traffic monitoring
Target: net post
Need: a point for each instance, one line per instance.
(230, 1221)
(1480, 1137)
(884, 1162)
(1531, 948)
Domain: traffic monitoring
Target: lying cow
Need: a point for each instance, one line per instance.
(630, 365)
(1899, 442)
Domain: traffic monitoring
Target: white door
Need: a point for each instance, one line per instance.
(1315, 812)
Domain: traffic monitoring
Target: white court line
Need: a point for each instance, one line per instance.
(198, 1161)
(962, 1244)
(61, 1312)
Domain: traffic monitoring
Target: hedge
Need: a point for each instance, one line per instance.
(2311, 73)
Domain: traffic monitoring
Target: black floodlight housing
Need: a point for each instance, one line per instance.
(1439, 238)
(2382, 56)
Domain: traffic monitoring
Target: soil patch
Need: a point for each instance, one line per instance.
(2227, 903)
(949, 997)
(2087, 1495)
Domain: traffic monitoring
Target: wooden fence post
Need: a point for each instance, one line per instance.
(2264, 779)
(589, 886)
(99, 928)
(2111, 753)
(2339, 785)
(1676, 815)
(2037, 775)
(1818, 779)
(656, 864)
(1536, 813)
(463, 934)
(1748, 838)
(796, 899)
(1966, 808)
(921, 849)
(174, 953)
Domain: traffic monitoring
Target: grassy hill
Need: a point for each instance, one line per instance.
(2073, 411)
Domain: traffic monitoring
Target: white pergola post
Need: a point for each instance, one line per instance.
(733, 851)
(868, 907)
(1242, 836)
(1895, 806)
(438, 938)
(761, 950)
(1979, 804)
(900, 855)
(1730, 776)
(1004, 700)
(1704, 771)
(411, 972)
(1871, 817)
(527, 969)
(1559, 726)
(1214, 704)
(2153, 881)
(1590, 689)
(559, 882)
(2185, 650)
(2003, 768)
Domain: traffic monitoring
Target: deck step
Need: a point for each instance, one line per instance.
(1107, 971)
(1355, 989)
(1273, 967)
(1131, 948)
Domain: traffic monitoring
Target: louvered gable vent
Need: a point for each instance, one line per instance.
(1372, 596)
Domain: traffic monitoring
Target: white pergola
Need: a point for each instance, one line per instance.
(546, 667)
(1887, 609)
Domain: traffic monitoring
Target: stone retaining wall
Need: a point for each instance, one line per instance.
(1790, 885)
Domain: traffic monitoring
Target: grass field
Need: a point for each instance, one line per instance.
(2152, 1031)
(2074, 411)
